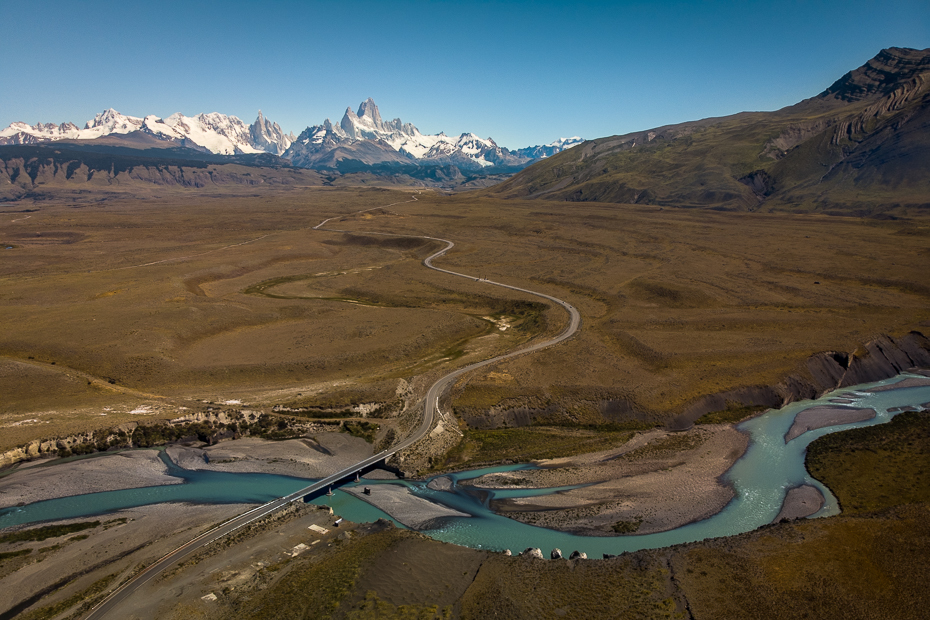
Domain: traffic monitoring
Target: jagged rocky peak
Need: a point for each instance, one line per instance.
(369, 111)
(368, 138)
(111, 118)
(881, 75)
(215, 132)
(268, 136)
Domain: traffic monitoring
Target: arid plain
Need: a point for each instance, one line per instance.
(138, 311)
(111, 307)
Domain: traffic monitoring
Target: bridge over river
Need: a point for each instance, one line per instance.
(430, 408)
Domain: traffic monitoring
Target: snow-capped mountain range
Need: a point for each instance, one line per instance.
(361, 137)
(214, 132)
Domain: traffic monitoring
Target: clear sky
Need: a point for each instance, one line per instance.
(523, 73)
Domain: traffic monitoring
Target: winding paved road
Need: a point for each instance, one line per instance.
(429, 413)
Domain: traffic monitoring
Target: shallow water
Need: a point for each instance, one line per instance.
(760, 478)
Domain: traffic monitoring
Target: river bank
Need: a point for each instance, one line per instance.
(43, 480)
(47, 479)
(658, 481)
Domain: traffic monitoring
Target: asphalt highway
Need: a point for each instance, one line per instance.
(429, 413)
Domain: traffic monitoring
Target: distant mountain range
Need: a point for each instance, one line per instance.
(360, 139)
(862, 146)
(214, 133)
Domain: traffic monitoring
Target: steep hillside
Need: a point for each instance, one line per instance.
(862, 146)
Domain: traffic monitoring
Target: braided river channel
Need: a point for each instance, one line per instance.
(761, 478)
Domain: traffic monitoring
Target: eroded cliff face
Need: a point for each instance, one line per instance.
(881, 358)
(18, 176)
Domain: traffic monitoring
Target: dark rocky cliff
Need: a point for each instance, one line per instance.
(881, 358)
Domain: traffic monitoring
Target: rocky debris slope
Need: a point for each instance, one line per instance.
(881, 358)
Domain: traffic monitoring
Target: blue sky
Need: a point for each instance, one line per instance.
(523, 73)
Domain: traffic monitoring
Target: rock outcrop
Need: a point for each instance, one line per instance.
(532, 552)
(884, 358)
(578, 555)
(880, 358)
(556, 554)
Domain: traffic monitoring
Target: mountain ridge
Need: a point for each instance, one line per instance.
(361, 137)
(212, 132)
(364, 137)
(860, 146)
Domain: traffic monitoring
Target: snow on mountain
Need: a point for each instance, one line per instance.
(362, 136)
(218, 133)
(269, 137)
(396, 142)
(548, 150)
(109, 122)
(106, 123)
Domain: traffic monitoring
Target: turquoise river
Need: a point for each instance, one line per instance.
(760, 479)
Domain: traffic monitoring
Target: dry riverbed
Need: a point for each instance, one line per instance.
(48, 479)
(302, 458)
(657, 481)
(315, 457)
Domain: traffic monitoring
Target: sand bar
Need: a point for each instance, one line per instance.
(659, 480)
(906, 383)
(821, 416)
(108, 472)
(442, 483)
(396, 500)
(302, 458)
(800, 502)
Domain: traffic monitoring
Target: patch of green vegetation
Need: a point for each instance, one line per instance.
(516, 589)
(626, 527)
(529, 444)
(315, 590)
(838, 567)
(207, 431)
(373, 608)
(731, 415)
(46, 532)
(365, 430)
(387, 441)
(876, 467)
(87, 598)
(14, 554)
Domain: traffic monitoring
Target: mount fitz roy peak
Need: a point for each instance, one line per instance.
(214, 132)
(360, 139)
(365, 138)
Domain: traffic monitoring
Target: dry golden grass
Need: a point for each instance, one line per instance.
(679, 303)
(192, 297)
(876, 467)
(841, 567)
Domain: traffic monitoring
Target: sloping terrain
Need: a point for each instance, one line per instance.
(862, 146)
(96, 171)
